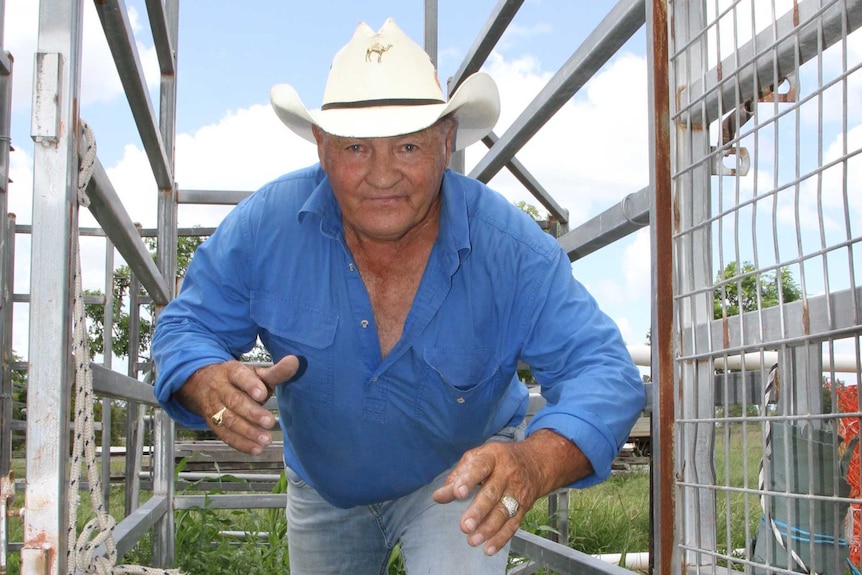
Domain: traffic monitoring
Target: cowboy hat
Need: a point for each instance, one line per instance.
(383, 84)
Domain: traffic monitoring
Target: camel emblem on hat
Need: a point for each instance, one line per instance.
(376, 48)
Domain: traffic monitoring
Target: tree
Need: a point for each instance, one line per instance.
(743, 290)
(530, 210)
(122, 284)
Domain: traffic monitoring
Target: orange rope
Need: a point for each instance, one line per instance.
(848, 428)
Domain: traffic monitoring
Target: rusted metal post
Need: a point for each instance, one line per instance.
(663, 504)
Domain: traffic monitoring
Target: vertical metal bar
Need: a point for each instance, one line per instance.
(108, 359)
(431, 30)
(133, 419)
(163, 426)
(5, 275)
(662, 488)
(7, 480)
(693, 252)
(54, 129)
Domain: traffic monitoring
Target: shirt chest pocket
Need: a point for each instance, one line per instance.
(459, 393)
(295, 328)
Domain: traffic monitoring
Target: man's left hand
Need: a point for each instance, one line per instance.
(525, 471)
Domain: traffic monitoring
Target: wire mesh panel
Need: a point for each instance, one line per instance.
(766, 171)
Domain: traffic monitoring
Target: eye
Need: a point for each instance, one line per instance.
(410, 147)
(354, 147)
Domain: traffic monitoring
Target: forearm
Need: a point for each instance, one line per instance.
(558, 461)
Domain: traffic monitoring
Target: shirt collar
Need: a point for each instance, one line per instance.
(322, 202)
(454, 236)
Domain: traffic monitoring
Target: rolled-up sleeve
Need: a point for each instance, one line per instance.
(209, 321)
(593, 391)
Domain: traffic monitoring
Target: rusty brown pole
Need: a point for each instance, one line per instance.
(662, 470)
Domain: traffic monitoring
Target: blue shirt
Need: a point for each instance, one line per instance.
(362, 428)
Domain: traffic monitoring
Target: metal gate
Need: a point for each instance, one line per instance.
(765, 136)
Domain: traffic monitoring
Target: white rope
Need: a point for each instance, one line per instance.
(769, 397)
(99, 530)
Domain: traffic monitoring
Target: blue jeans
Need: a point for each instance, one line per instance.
(325, 540)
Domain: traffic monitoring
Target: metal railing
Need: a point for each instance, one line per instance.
(718, 111)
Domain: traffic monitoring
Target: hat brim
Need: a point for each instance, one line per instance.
(475, 104)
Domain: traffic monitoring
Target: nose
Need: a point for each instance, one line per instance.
(383, 172)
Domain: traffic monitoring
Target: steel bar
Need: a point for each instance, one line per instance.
(166, 257)
(495, 25)
(54, 129)
(113, 384)
(238, 501)
(561, 558)
(801, 320)
(621, 23)
(733, 82)
(7, 267)
(662, 399)
(163, 41)
(134, 415)
(532, 185)
(212, 197)
(118, 32)
(130, 530)
(630, 215)
(108, 358)
(108, 209)
(430, 25)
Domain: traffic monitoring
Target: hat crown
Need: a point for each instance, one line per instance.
(375, 68)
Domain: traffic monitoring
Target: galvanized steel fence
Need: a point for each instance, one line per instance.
(767, 298)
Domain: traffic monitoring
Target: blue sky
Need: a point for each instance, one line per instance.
(588, 157)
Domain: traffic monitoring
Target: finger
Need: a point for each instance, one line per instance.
(280, 372)
(242, 435)
(502, 536)
(246, 392)
(474, 468)
(490, 520)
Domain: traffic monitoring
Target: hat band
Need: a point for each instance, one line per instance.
(382, 102)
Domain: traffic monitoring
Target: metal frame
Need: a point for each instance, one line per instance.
(55, 209)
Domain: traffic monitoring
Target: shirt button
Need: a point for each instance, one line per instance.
(374, 379)
(460, 400)
(350, 267)
(363, 323)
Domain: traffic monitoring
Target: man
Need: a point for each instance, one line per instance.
(396, 298)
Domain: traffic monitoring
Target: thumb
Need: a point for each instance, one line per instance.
(280, 372)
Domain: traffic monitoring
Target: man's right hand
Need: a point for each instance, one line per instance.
(242, 390)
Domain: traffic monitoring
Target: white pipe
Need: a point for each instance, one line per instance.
(633, 561)
(640, 561)
(843, 363)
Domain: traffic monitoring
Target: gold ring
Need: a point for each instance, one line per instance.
(218, 417)
(511, 504)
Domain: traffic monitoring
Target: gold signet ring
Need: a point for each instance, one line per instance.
(218, 417)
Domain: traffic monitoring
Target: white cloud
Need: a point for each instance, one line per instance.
(100, 82)
(637, 266)
(594, 151)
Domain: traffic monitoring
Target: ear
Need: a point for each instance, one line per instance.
(319, 137)
(449, 125)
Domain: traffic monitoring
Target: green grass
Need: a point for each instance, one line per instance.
(740, 470)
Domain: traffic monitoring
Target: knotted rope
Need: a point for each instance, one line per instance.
(99, 530)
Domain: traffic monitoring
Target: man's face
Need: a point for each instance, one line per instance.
(386, 186)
